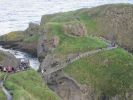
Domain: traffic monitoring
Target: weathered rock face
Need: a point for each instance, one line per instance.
(24, 40)
(8, 59)
(75, 29)
(32, 29)
(46, 45)
(117, 21)
(30, 48)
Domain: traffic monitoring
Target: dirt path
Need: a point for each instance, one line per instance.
(66, 87)
(85, 54)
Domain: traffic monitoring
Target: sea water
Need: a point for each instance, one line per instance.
(16, 14)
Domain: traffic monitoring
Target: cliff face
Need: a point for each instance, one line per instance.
(117, 21)
(26, 40)
(7, 59)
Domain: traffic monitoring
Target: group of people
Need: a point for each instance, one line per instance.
(23, 65)
(8, 68)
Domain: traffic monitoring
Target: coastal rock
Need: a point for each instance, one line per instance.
(32, 29)
(75, 29)
(8, 59)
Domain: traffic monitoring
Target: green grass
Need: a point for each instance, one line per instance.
(72, 16)
(2, 96)
(98, 22)
(13, 36)
(2, 75)
(68, 44)
(19, 36)
(29, 86)
(109, 72)
(31, 39)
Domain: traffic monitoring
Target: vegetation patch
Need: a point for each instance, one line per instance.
(13, 36)
(2, 75)
(33, 38)
(100, 21)
(68, 44)
(29, 86)
(109, 72)
(2, 95)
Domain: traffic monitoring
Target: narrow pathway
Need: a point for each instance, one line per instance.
(63, 65)
(66, 87)
(6, 92)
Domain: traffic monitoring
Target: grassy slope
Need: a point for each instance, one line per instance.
(1, 75)
(109, 72)
(31, 39)
(13, 36)
(29, 86)
(69, 44)
(2, 96)
(19, 36)
(100, 21)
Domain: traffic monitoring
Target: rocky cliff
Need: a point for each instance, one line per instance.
(113, 22)
(7, 59)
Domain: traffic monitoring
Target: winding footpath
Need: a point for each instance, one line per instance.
(6, 92)
(65, 86)
(65, 63)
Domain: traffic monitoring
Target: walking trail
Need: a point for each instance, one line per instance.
(66, 63)
(68, 88)
(6, 92)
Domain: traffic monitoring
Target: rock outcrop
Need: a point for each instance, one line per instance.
(26, 40)
(75, 29)
(115, 23)
(8, 59)
(32, 29)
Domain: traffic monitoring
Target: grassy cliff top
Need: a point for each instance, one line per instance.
(111, 21)
(108, 72)
(12, 36)
(29, 85)
(71, 44)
